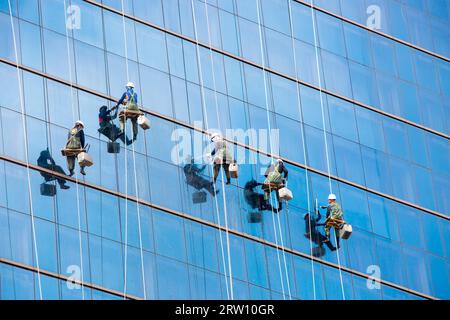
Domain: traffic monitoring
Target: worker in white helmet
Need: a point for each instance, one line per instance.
(129, 100)
(75, 141)
(334, 217)
(221, 155)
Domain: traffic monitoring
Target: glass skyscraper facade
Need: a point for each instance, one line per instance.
(357, 90)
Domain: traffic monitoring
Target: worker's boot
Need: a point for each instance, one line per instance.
(71, 173)
(82, 171)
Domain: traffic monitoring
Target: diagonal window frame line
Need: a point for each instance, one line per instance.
(61, 277)
(189, 126)
(209, 224)
(380, 33)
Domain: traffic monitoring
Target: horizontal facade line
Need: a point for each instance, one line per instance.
(189, 126)
(270, 70)
(209, 224)
(380, 33)
(65, 278)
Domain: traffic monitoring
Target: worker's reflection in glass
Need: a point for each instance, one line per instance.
(46, 161)
(313, 234)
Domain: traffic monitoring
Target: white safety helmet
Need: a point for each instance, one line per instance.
(130, 85)
(79, 122)
(332, 196)
(279, 160)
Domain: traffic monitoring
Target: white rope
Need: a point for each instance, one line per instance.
(221, 171)
(304, 148)
(76, 175)
(135, 180)
(271, 151)
(202, 90)
(324, 132)
(25, 138)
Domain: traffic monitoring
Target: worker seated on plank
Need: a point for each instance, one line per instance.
(131, 111)
(254, 199)
(75, 142)
(334, 218)
(107, 126)
(221, 156)
(193, 176)
(46, 161)
(275, 175)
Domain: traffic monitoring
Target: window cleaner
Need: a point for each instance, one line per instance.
(131, 111)
(222, 157)
(276, 175)
(75, 148)
(46, 161)
(110, 130)
(193, 176)
(335, 219)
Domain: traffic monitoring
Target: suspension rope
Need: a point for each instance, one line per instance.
(228, 283)
(271, 151)
(304, 149)
(135, 179)
(76, 175)
(221, 171)
(324, 131)
(25, 138)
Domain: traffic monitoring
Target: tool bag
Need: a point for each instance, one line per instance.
(143, 122)
(254, 217)
(285, 193)
(346, 231)
(84, 159)
(48, 189)
(233, 169)
(113, 147)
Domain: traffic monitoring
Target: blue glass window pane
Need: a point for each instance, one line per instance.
(229, 31)
(276, 15)
(364, 84)
(172, 280)
(376, 169)
(358, 45)
(384, 218)
(370, 129)
(330, 34)
(280, 52)
(396, 138)
(336, 74)
(171, 15)
(408, 101)
(302, 22)
(439, 154)
(91, 29)
(426, 72)
(30, 45)
(149, 10)
(151, 47)
(383, 53)
(342, 115)
(354, 205)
